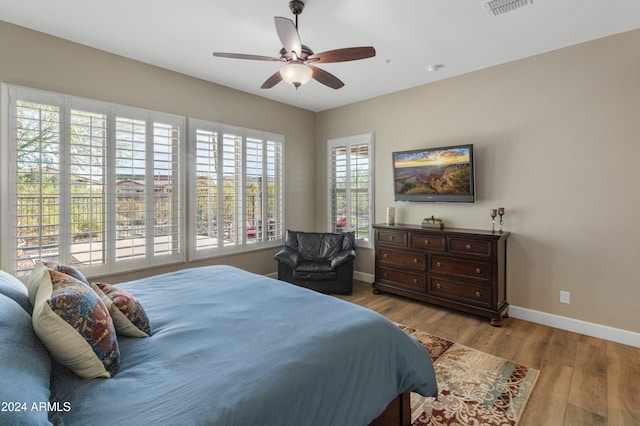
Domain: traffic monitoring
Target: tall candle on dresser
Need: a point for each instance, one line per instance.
(391, 215)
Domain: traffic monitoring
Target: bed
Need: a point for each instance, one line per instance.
(227, 347)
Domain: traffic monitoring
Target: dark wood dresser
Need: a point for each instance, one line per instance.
(462, 269)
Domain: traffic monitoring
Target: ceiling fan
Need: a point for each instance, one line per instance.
(299, 60)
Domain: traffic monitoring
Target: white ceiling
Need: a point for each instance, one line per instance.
(409, 35)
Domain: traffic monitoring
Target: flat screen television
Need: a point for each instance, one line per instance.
(444, 174)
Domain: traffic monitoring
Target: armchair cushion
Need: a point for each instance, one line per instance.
(313, 270)
(318, 246)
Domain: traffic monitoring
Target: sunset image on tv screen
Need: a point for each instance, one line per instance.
(433, 171)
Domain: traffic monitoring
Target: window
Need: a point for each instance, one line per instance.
(90, 184)
(103, 186)
(351, 186)
(237, 188)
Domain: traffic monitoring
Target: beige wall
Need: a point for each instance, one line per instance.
(36, 60)
(557, 140)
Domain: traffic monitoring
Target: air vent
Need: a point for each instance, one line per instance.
(499, 7)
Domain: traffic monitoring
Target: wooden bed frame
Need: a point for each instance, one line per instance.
(397, 413)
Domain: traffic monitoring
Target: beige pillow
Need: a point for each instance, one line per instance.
(39, 274)
(74, 324)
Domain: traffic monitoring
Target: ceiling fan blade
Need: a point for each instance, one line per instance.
(288, 35)
(343, 55)
(243, 56)
(326, 78)
(272, 81)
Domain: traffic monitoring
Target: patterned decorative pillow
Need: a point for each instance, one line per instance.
(74, 324)
(129, 317)
(37, 276)
(66, 269)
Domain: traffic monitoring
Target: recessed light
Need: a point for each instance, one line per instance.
(434, 68)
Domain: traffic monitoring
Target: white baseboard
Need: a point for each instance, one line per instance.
(363, 276)
(617, 335)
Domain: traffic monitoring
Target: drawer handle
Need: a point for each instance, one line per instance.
(478, 294)
(438, 285)
(478, 271)
(416, 260)
(439, 264)
(468, 246)
(415, 281)
(385, 255)
(393, 237)
(385, 275)
(426, 242)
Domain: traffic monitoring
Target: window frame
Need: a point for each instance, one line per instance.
(347, 143)
(67, 105)
(11, 94)
(242, 243)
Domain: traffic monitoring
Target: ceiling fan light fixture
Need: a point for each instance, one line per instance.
(296, 74)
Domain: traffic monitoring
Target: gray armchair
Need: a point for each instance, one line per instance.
(320, 261)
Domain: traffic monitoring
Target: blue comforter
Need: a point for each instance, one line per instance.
(235, 348)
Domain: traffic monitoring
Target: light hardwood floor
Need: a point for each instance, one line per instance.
(583, 380)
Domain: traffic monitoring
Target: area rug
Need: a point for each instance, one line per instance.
(474, 388)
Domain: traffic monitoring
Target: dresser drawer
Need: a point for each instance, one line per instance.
(428, 242)
(474, 294)
(393, 238)
(416, 261)
(470, 246)
(401, 279)
(466, 268)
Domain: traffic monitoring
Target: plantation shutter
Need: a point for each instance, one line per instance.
(102, 186)
(351, 186)
(339, 180)
(209, 231)
(167, 196)
(274, 191)
(254, 189)
(232, 186)
(88, 168)
(90, 184)
(359, 189)
(131, 189)
(238, 181)
(37, 187)
(147, 189)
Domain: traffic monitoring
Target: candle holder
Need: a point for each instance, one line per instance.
(501, 213)
(493, 213)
